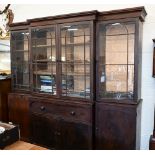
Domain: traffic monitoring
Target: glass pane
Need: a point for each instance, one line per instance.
(19, 41)
(116, 78)
(75, 57)
(20, 58)
(43, 44)
(116, 60)
(117, 83)
(116, 47)
(130, 78)
(44, 78)
(74, 86)
(20, 74)
(131, 46)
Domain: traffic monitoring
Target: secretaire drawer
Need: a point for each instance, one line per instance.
(67, 111)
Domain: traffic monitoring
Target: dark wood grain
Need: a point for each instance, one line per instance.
(68, 111)
(19, 113)
(5, 88)
(115, 126)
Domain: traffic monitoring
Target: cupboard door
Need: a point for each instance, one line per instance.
(43, 130)
(19, 113)
(20, 60)
(79, 135)
(115, 126)
(75, 43)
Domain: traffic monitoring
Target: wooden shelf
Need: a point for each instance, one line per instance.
(20, 50)
(68, 73)
(44, 60)
(76, 62)
(41, 38)
(44, 72)
(70, 44)
(19, 40)
(41, 46)
(61, 37)
(63, 62)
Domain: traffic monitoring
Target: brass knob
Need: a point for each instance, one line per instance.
(58, 133)
(72, 113)
(42, 108)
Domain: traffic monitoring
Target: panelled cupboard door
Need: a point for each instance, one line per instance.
(43, 130)
(75, 135)
(19, 113)
(115, 127)
(56, 133)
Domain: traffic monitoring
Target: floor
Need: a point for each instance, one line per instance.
(21, 145)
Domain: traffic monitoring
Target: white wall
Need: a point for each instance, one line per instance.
(148, 83)
(23, 12)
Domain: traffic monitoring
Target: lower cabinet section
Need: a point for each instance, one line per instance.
(67, 128)
(57, 133)
(117, 126)
(71, 125)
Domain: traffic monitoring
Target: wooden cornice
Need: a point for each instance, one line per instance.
(136, 12)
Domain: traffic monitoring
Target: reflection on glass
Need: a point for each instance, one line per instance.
(75, 58)
(116, 69)
(20, 56)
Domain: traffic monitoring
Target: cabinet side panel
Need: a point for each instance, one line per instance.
(5, 88)
(19, 113)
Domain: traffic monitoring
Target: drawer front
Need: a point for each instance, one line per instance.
(82, 113)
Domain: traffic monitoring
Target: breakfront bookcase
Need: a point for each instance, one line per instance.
(76, 79)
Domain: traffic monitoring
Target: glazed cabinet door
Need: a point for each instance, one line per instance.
(20, 60)
(61, 59)
(19, 113)
(75, 58)
(44, 60)
(116, 60)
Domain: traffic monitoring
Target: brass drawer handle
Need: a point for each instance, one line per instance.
(42, 108)
(72, 113)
